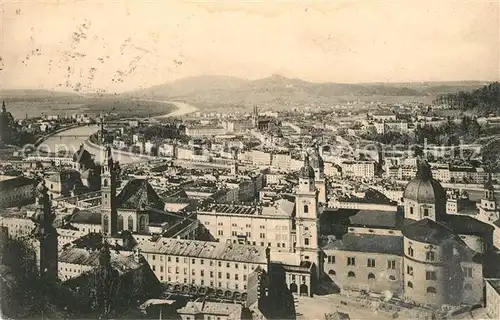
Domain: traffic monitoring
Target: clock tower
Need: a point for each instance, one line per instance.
(306, 216)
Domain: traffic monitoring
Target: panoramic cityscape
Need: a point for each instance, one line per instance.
(184, 165)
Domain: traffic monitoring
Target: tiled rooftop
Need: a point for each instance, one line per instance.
(204, 249)
(91, 258)
(212, 308)
(368, 243)
(281, 207)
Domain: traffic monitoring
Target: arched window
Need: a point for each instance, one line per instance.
(142, 223)
(130, 223)
(431, 290)
(430, 256)
(468, 286)
(105, 223)
(105, 184)
(371, 276)
(120, 225)
(351, 274)
(410, 251)
(409, 284)
(426, 212)
(306, 209)
(332, 272)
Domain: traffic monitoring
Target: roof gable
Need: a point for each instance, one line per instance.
(139, 194)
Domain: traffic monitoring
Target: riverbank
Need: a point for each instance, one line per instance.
(71, 139)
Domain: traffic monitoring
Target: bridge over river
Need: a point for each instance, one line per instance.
(70, 140)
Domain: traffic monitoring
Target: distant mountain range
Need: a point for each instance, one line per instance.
(214, 90)
(279, 85)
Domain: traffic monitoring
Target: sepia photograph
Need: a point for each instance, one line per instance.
(250, 160)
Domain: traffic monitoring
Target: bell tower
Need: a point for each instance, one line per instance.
(488, 210)
(46, 234)
(109, 181)
(255, 117)
(319, 174)
(306, 216)
(234, 164)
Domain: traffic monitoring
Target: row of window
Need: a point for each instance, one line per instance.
(370, 262)
(426, 211)
(211, 283)
(429, 255)
(130, 223)
(70, 270)
(209, 318)
(202, 273)
(467, 286)
(431, 275)
(201, 261)
(351, 274)
(262, 244)
(221, 224)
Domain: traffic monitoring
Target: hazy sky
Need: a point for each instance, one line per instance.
(121, 45)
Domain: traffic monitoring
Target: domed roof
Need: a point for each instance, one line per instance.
(423, 188)
(316, 160)
(427, 231)
(306, 172)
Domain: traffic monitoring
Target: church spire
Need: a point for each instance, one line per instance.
(4, 109)
(45, 233)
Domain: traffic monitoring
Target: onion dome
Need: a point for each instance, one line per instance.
(424, 188)
(306, 172)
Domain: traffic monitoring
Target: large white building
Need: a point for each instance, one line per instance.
(360, 169)
(259, 226)
(223, 265)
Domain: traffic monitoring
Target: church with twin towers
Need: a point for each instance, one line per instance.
(420, 257)
(417, 251)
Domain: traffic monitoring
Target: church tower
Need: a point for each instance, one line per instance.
(255, 118)
(46, 234)
(488, 211)
(319, 174)
(306, 216)
(6, 125)
(234, 164)
(109, 182)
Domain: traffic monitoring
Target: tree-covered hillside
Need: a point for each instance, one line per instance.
(483, 101)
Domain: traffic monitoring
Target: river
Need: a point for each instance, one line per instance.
(71, 139)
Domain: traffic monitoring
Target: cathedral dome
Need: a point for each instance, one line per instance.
(306, 172)
(424, 188)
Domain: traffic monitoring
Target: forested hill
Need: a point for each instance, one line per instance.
(482, 101)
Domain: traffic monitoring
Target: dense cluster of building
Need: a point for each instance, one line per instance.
(246, 227)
